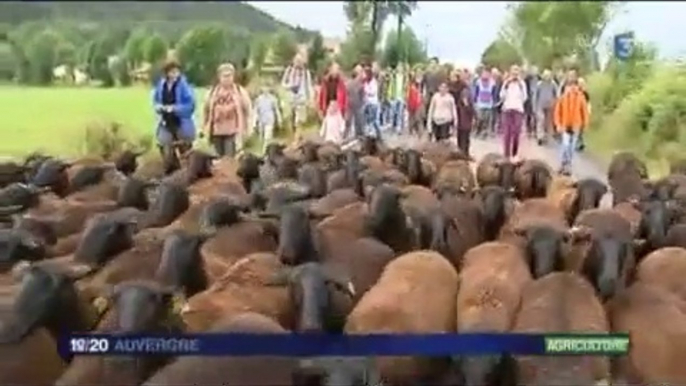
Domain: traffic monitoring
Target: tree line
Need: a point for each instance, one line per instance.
(110, 54)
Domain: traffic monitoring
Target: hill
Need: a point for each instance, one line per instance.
(236, 14)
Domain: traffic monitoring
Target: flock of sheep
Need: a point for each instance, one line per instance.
(311, 237)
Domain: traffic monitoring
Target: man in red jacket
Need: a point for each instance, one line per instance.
(414, 105)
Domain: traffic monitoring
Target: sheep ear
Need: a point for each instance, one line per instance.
(341, 282)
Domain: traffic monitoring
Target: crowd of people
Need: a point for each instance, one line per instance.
(372, 101)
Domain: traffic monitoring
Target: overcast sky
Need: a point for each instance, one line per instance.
(459, 31)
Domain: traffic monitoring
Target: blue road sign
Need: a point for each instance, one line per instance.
(623, 45)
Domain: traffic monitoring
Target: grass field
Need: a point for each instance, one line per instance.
(55, 119)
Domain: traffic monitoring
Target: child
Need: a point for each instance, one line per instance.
(414, 106)
(267, 115)
(465, 119)
(333, 124)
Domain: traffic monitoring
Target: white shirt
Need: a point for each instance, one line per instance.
(514, 95)
(371, 91)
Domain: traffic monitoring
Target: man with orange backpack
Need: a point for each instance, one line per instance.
(571, 117)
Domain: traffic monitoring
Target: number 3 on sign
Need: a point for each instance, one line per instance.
(88, 345)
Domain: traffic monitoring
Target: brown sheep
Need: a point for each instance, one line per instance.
(494, 169)
(606, 258)
(439, 153)
(626, 163)
(491, 282)
(418, 201)
(456, 227)
(45, 306)
(455, 177)
(240, 239)
(629, 187)
(231, 371)
(657, 324)
(573, 197)
(398, 304)
(666, 268)
(334, 200)
(70, 216)
(561, 302)
(542, 231)
(137, 307)
(531, 179)
(245, 287)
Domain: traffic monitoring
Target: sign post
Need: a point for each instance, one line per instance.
(623, 45)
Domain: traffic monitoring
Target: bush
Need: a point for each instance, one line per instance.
(650, 121)
(107, 139)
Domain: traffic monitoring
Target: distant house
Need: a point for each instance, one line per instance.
(141, 73)
(68, 75)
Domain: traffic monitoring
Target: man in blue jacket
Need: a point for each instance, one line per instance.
(174, 103)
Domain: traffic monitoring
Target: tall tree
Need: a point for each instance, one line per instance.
(409, 50)
(500, 54)
(546, 32)
(201, 50)
(401, 10)
(155, 48)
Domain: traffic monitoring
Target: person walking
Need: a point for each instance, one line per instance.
(442, 114)
(223, 114)
(332, 90)
(396, 98)
(267, 115)
(415, 106)
(466, 115)
(174, 103)
(582, 85)
(531, 80)
(513, 95)
(297, 81)
(484, 101)
(355, 116)
(571, 116)
(372, 105)
(497, 103)
(545, 97)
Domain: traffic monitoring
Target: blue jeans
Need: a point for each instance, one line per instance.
(397, 115)
(372, 115)
(568, 147)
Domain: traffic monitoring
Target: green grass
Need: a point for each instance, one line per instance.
(54, 119)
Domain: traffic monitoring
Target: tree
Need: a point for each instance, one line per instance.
(99, 56)
(316, 55)
(201, 50)
(500, 54)
(120, 70)
(284, 48)
(134, 49)
(547, 32)
(42, 56)
(412, 49)
(155, 49)
(402, 10)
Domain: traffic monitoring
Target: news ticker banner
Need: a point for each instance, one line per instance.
(310, 345)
